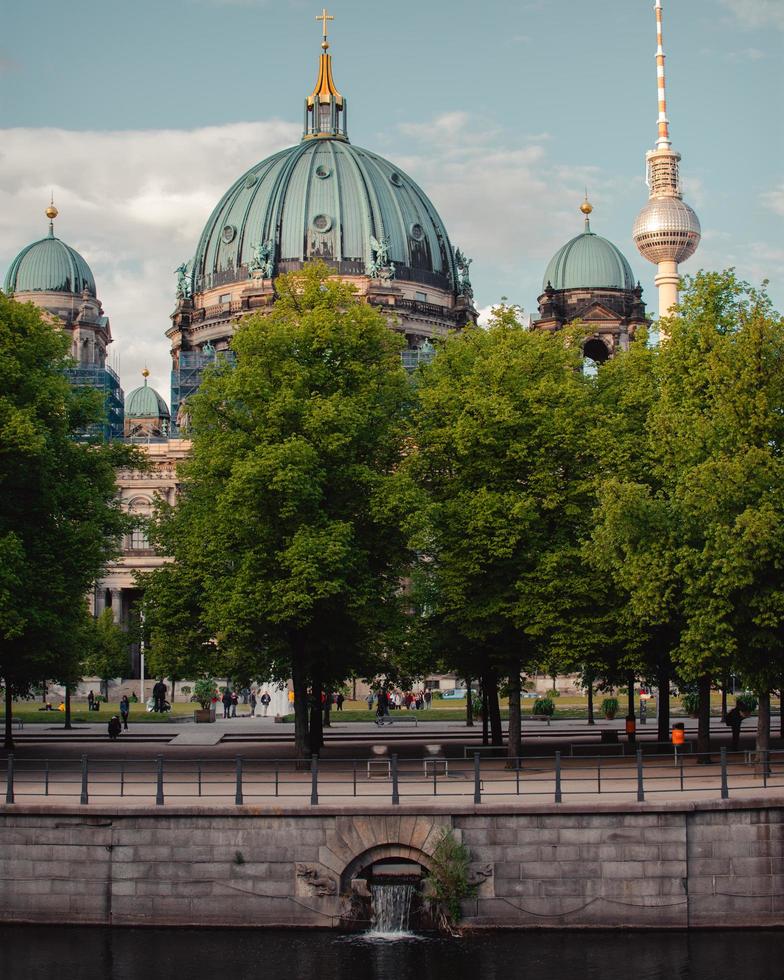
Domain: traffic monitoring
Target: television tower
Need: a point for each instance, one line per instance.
(667, 231)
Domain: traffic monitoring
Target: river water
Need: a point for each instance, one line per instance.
(29, 952)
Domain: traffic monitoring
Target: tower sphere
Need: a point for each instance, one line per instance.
(667, 229)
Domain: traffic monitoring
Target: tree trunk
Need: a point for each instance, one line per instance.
(663, 714)
(316, 715)
(703, 721)
(9, 714)
(763, 733)
(514, 742)
(630, 687)
(67, 707)
(724, 684)
(591, 719)
(485, 712)
(327, 708)
(105, 687)
(469, 704)
(300, 685)
(494, 710)
(174, 688)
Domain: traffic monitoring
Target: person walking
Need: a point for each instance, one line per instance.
(125, 710)
(252, 702)
(90, 701)
(428, 697)
(234, 702)
(114, 728)
(265, 702)
(226, 699)
(339, 699)
(369, 700)
(735, 720)
(382, 708)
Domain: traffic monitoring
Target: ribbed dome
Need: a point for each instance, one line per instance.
(589, 261)
(49, 265)
(145, 403)
(324, 198)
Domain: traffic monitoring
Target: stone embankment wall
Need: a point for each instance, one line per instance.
(643, 866)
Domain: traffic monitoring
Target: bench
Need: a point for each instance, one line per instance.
(379, 767)
(436, 766)
(603, 748)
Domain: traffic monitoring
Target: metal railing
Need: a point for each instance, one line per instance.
(383, 779)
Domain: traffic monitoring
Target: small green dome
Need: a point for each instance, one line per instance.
(145, 403)
(49, 265)
(589, 261)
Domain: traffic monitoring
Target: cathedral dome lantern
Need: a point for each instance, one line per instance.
(590, 279)
(327, 200)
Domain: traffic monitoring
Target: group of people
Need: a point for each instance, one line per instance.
(385, 701)
(409, 700)
(230, 699)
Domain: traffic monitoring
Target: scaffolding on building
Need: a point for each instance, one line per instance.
(105, 380)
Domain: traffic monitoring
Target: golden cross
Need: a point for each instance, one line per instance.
(324, 17)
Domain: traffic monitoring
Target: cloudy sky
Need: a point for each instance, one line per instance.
(139, 117)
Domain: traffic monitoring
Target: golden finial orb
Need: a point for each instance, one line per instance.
(145, 373)
(51, 212)
(586, 207)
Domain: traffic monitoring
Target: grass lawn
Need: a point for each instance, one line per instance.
(28, 712)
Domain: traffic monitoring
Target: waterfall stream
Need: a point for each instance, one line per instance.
(391, 905)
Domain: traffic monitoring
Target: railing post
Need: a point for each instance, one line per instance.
(477, 778)
(395, 787)
(558, 796)
(84, 798)
(355, 778)
(599, 775)
(314, 780)
(198, 774)
(122, 778)
(640, 786)
(725, 790)
(9, 779)
(46, 777)
(238, 787)
(765, 768)
(159, 782)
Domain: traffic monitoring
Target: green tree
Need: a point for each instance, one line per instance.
(503, 457)
(689, 523)
(287, 529)
(60, 517)
(106, 650)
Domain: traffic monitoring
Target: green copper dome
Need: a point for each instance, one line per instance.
(589, 261)
(145, 403)
(49, 265)
(325, 199)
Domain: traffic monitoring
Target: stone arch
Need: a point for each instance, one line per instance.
(360, 839)
(596, 349)
(382, 852)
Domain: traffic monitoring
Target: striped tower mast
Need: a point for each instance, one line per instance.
(667, 231)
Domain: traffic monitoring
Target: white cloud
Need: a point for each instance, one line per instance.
(134, 204)
(775, 199)
(745, 54)
(757, 13)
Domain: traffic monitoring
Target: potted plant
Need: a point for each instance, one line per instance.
(690, 702)
(544, 708)
(610, 708)
(203, 692)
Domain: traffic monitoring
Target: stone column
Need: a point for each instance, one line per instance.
(116, 604)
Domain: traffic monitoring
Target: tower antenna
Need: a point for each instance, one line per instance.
(667, 231)
(663, 142)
